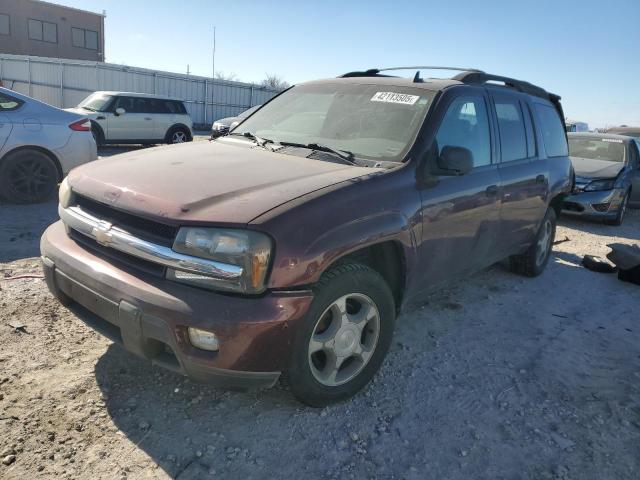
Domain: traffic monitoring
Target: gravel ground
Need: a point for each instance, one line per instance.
(493, 377)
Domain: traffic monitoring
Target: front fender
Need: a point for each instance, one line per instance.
(343, 240)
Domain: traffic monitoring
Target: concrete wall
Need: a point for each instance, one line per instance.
(65, 18)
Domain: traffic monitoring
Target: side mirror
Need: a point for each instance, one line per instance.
(455, 160)
(120, 111)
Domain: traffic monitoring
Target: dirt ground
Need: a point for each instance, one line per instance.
(493, 377)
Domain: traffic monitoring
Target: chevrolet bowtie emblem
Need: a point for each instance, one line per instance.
(102, 233)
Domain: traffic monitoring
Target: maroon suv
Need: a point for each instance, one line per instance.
(291, 244)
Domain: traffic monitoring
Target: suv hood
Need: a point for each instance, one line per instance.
(205, 181)
(590, 168)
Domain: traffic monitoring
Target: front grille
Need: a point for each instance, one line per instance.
(156, 232)
(573, 207)
(123, 259)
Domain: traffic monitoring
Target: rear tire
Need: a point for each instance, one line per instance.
(98, 136)
(178, 135)
(617, 221)
(533, 262)
(28, 176)
(344, 337)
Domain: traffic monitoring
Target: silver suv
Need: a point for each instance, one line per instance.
(123, 117)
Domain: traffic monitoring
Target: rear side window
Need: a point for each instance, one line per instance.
(513, 137)
(553, 134)
(466, 124)
(8, 103)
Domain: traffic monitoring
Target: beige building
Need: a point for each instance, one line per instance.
(33, 27)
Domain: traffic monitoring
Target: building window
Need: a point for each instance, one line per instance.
(4, 24)
(43, 31)
(84, 38)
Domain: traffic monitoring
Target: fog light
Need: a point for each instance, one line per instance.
(203, 339)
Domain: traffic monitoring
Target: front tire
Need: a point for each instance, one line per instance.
(533, 262)
(619, 218)
(28, 176)
(344, 337)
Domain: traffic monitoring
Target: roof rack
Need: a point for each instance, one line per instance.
(520, 85)
(372, 72)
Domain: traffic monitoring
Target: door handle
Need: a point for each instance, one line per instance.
(541, 179)
(147, 118)
(492, 190)
(101, 118)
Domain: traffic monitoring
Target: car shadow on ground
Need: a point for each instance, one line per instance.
(21, 227)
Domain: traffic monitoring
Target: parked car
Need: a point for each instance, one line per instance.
(627, 131)
(125, 117)
(39, 144)
(291, 244)
(607, 168)
(221, 127)
(574, 126)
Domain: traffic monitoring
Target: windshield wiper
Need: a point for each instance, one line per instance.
(90, 109)
(261, 142)
(345, 155)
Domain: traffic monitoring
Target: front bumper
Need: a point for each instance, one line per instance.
(595, 205)
(149, 316)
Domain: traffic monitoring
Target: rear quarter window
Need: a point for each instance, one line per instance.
(552, 128)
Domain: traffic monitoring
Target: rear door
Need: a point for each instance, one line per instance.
(523, 172)
(460, 214)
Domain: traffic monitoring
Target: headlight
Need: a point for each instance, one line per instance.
(65, 194)
(246, 249)
(598, 185)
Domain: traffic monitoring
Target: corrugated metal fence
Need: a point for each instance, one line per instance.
(65, 83)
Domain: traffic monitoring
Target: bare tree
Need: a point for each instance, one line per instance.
(229, 77)
(275, 81)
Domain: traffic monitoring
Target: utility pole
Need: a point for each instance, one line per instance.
(213, 63)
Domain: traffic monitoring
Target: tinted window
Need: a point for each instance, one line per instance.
(50, 32)
(466, 125)
(552, 128)
(35, 30)
(513, 138)
(9, 103)
(124, 102)
(4, 25)
(77, 37)
(91, 39)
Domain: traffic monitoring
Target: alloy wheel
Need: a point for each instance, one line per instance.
(178, 137)
(544, 242)
(32, 178)
(344, 339)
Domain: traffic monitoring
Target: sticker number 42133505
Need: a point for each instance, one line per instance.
(391, 97)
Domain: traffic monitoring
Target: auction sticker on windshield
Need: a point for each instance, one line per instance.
(391, 97)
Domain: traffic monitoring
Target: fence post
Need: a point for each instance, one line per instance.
(251, 97)
(61, 84)
(29, 69)
(206, 93)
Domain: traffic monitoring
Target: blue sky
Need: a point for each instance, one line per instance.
(586, 51)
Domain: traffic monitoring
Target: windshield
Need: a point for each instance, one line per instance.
(608, 149)
(249, 111)
(96, 102)
(378, 122)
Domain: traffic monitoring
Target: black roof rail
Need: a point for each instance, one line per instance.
(519, 85)
(373, 72)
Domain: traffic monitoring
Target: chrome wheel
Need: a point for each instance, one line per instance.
(344, 339)
(178, 137)
(544, 242)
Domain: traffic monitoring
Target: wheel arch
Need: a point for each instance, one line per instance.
(95, 125)
(48, 153)
(176, 126)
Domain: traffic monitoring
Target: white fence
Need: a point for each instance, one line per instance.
(64, 83)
